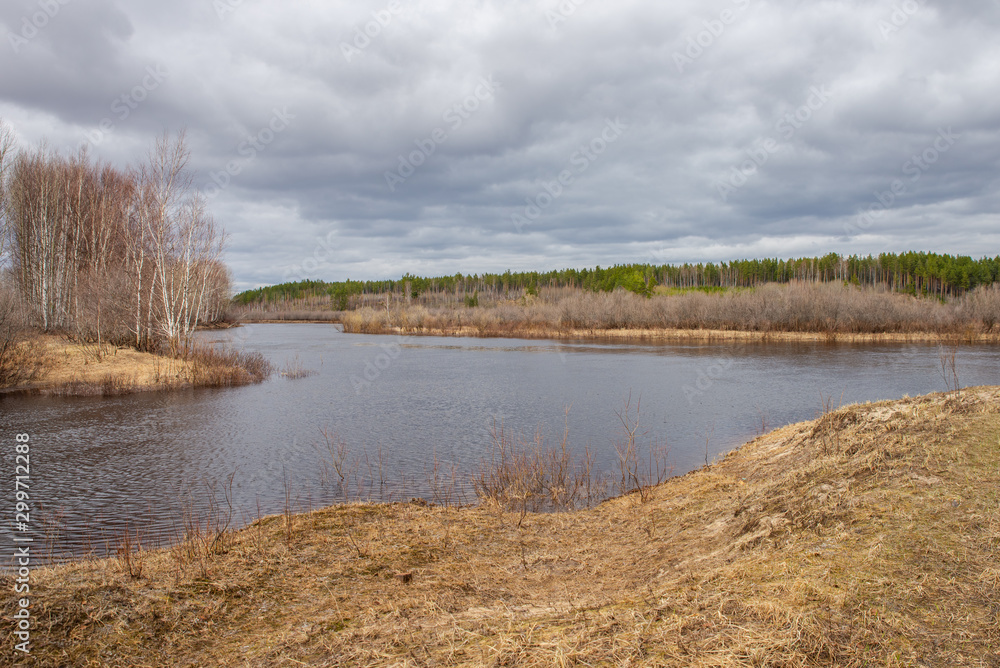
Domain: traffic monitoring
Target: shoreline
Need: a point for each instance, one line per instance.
(75, 369)
(671, 334)
(708, 335)
(801, 547)
(72, 369)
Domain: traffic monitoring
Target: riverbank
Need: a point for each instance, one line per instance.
(699, 335)
(870, 536)
(70, 368)
(787, 312)
(632, 334)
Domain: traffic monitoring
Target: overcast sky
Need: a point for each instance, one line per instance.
(366, 139)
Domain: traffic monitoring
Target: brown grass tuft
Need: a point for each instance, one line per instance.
(213, 366)
(528, 477)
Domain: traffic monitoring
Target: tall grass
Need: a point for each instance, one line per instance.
(214, 366)
(517, 474)
(831, 308)
(248, 315)
(22, 357)
(294, 369)
(530, 476)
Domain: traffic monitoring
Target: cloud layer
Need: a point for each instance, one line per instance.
(367, 139)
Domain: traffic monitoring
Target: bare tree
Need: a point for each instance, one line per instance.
(183, 241)
(40, 238)
(7, 147)
(107, 255)
(218, 295)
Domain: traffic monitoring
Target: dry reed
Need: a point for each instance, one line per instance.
(830, 309)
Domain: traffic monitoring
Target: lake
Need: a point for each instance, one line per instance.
(409, 407)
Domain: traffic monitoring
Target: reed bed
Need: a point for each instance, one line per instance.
(829, 309)
(294, 369)
(219, 366)
(246, 315)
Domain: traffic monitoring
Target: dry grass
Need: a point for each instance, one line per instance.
(870, 536)
(214, 366)
(795, 311)
(23, 360)
(522, 476)
(73, 368)
(294, 369)
(285, 315)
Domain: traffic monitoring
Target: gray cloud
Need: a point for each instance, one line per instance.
(701, 87)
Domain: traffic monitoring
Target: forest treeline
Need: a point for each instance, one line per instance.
(915, 273)
(107, 255)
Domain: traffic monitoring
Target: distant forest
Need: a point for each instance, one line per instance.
(926, 274)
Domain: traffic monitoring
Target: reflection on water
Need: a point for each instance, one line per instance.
(416, 406)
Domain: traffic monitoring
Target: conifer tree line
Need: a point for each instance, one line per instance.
(917, 273)
(128, 256)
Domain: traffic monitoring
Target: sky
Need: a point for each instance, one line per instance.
(371, 138)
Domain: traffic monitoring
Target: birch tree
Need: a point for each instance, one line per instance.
(182, 238)
(40, 238)
(7, 147)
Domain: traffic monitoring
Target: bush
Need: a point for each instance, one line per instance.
(22, 358)
(983, 305)
(223, 367)
(529, 476)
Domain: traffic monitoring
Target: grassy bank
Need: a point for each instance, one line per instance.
(693, 335)
(870, 536)
(72, 368)
(811, 311)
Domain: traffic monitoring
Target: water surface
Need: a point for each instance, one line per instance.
(427, 404)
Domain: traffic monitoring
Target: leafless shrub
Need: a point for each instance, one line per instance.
(22, 360)
(442, 481)
(113, 385)
(336, 466)
(206, 532)
(641, 467)
(983, 304)
(832, 308)
(366, 321)
(531, 477)
(949, 370)
(129, 554)
(289, 315)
